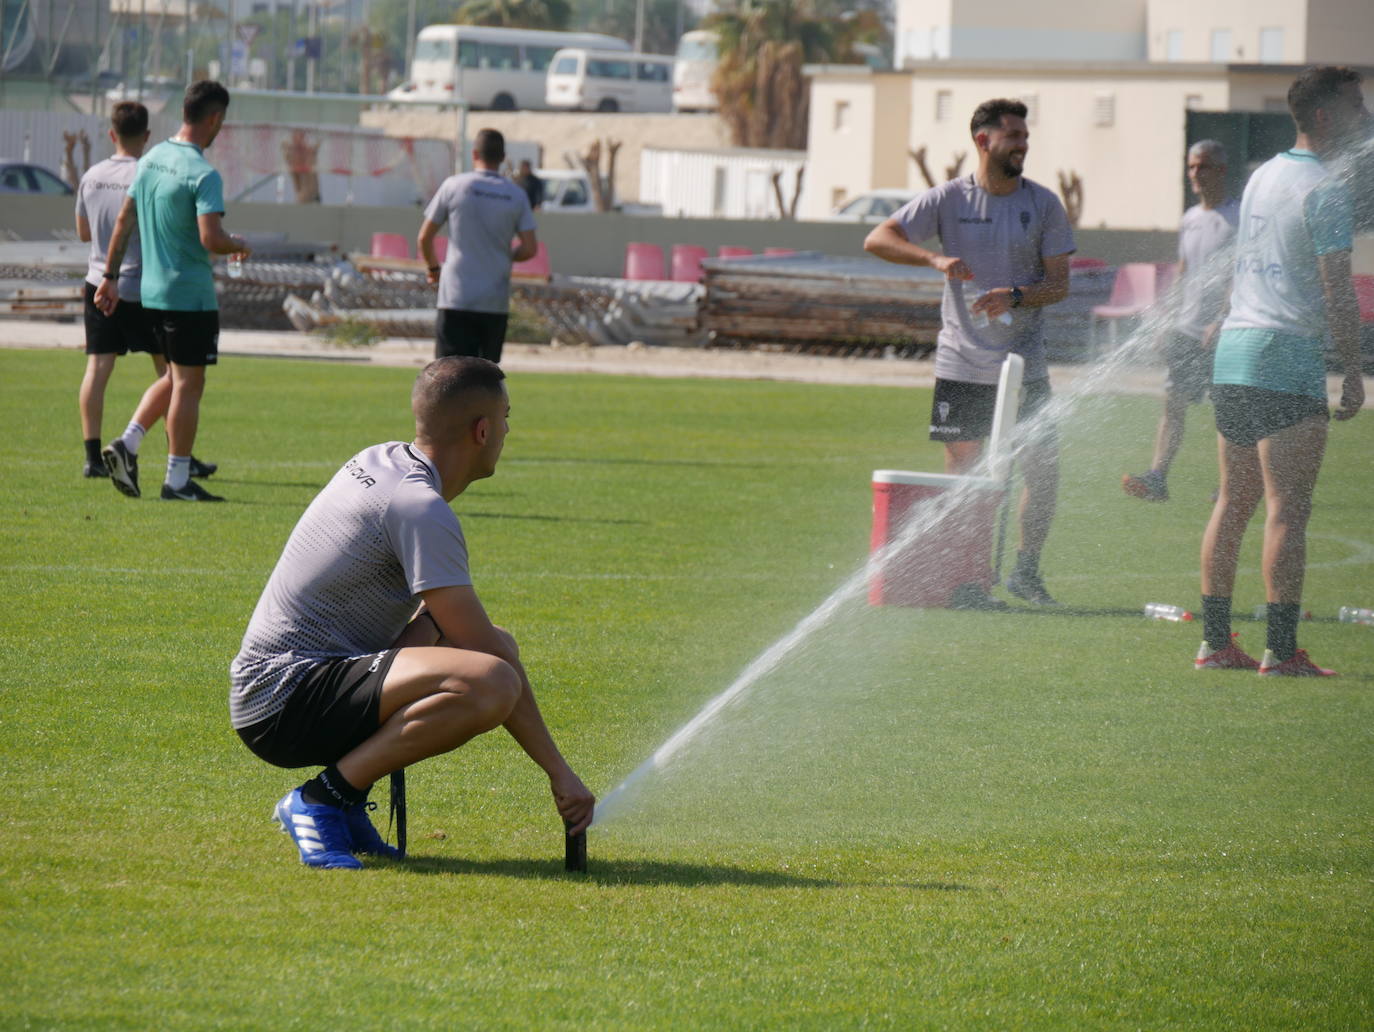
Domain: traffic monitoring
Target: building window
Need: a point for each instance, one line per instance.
(1193, 102)
(841, 116)
(1271, 46)
(944, 105)
(1173, 45)
(1104, 109)
(1221, 46)
(1032, 102)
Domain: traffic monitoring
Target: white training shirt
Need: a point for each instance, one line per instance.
(1004, 241)
(99, 198)
(348, 580)
(1206, 237)
(483, 211)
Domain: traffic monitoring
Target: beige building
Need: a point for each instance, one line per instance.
(1012, 30)
(1262, 31)
(1121, 127)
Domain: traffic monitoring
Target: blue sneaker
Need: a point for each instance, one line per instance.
(320, 832)
(364, 836)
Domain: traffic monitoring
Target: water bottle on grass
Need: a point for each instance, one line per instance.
(1164, 611)
(1355, 615)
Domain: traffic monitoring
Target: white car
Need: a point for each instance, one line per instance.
(873, 206)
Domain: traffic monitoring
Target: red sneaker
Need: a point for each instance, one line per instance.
(1296, 665)
(1229, 658)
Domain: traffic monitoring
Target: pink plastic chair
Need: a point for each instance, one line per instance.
(686, 263)
(734, 252)
(778, 250)
(536, 267)
(1165, 274)
(390, 245)
(1087, 263)
(1364, 294)
(643, 262)
(1133, 291)
(440, 249)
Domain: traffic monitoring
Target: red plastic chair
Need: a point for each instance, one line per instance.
(1364, 294)
(778, 250)
(643, 262)
(536, 267)
(686, 263)
(734, 252)
(1133, 291)
(390, 245)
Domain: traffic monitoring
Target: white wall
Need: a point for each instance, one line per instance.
(1012, 30)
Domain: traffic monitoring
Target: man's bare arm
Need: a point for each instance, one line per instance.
(1343, 320)
(215, 240)
(889, 242)
(107, 294)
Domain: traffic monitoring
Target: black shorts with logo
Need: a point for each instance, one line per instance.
(963, 411)
(186, 338)
(481, 334)
(1247, 415)
(1190, 367)
(126, 329)
(332, 711)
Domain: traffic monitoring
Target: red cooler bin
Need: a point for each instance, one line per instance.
(954, 550)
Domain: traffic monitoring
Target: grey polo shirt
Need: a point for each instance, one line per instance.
(483, 211)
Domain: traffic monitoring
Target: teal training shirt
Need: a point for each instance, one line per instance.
(1291, 215)
(174, 186)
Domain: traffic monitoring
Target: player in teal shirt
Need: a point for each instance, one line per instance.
(1291, 288)
(177, 202)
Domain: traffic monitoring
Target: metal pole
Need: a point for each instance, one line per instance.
(410, 37)
(142, 34)
(312, 22)
(291, 54)
(639, 26)
(229, 74)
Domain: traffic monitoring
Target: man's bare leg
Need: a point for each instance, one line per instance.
(1240, 488)
(91, 397)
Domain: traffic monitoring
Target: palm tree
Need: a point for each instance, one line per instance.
(763, 46)
(515, 14)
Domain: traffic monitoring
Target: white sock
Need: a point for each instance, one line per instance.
(178, 471)
(132, 437)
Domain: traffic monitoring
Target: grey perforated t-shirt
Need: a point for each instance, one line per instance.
(1005, 240)
(350, 575)
(483, 211)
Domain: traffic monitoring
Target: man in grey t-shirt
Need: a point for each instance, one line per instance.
(369, 649)
(1006, 243)
(484, 212)
(1206, 236)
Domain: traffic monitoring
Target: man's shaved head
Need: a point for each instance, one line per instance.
(450, 392)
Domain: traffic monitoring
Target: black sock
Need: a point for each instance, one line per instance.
(1216, 621)
(92, 449)
(1282, 638)
(330, 788)
(1027, 564)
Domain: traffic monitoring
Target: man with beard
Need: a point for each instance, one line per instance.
(1292, 286)
(1009, 239)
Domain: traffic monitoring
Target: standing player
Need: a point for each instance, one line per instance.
(177, 202)
(337, 668)
(1292, 286)
(1205, 236)
(1010, 239)
(484, 211)
(98, 202)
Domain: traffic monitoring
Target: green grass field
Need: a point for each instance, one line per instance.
(921, 820)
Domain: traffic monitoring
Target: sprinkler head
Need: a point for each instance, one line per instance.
(575, 852)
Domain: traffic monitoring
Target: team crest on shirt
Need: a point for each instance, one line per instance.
(1025, 222)
(943, 409)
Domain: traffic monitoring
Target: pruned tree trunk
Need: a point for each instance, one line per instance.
(1071, 191)
(301, 156)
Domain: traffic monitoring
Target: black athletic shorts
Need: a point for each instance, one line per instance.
(457, 332)
(963, 411)
(332, 711)
(1247, 415)
(186, 338)
(127, 329)
(1190, 367)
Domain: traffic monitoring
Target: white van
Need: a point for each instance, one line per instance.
(581, 79)
(497, 68)
(698, 52)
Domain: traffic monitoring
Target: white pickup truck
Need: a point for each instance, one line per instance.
(569, 191)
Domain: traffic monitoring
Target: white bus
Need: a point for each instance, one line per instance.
(697, 53)
(608, 80)
(496, 68)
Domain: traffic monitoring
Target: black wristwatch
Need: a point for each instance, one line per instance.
(1017, 297)
(435, 268)
(109, 275)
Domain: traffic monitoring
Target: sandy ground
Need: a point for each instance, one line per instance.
(658, 362)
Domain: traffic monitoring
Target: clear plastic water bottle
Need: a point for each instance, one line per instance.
(235, 266)
(1353, 614)
(979, 320)
(1164, 611)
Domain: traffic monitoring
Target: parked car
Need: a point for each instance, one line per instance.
(873, 206)
(569, 191)
(27, 178)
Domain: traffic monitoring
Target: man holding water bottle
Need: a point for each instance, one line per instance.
(177, 202)
(1009, 240)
